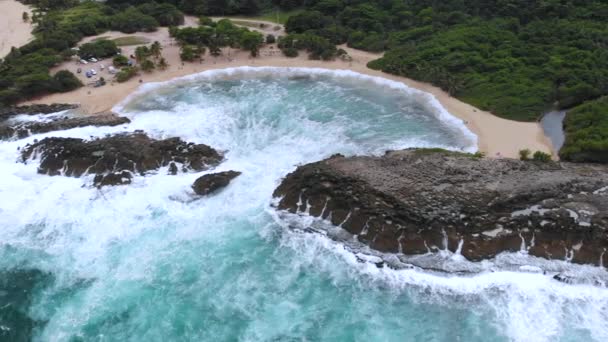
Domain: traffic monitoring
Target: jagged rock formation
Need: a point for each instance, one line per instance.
(415, 201)
(22, 130)
(114, 158)
(7, 112)
(213, 182)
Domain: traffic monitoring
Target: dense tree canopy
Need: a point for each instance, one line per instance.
(587, 132)
(516, 58)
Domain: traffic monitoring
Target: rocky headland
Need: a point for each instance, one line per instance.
(418, 201)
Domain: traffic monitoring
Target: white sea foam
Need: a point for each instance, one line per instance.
(285, 72)
(155, 261)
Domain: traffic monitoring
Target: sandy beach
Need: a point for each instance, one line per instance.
(496, 136)
(13, 30)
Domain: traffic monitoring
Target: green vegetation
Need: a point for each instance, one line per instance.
(130, 40)
(524, 154)
(541, 157)
(224, 33)
(251, 41)
(277, 15)
(516, 58)
(316, 46)
(433, 150)
(162, 63)
(147, 65)
(120, 61)
(188, 53)
(99, 49)
(59, 26)
(126, 73)
(586, 128)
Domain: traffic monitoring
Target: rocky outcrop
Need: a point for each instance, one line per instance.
(416, 201)
(213, 182)
(7, 112)
(115, 158)
(24, 129)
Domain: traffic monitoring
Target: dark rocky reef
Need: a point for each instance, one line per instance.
(22, 130)
(416, 201)
(114, 158)
(213, 182)
(7, 112)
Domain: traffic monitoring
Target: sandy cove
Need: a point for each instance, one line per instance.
(13, 30)
(496, 136)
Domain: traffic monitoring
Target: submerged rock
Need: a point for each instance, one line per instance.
(212, 182)
(22, 130)
(114, 158)
(416, 201)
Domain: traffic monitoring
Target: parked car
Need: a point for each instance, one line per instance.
(82, 61)
(88, 74)
(93, 60)
(93, 72)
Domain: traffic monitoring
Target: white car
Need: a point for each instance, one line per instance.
(93, 72)
(93, 60)
(83, 61)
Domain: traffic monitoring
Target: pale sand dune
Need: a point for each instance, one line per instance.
(496, 136)
(13, 31)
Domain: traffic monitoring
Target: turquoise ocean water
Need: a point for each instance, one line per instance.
(145, 263)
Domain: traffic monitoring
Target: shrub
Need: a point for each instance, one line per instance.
(162, 64)
(99, 49)
(541, 156)
(270, 39)
(126, 74)
(120, 61)
(290, 52)
(147, 65)
(132, 20)
(65, 81)
(166, 14)
(188, 53)
(205, 21)
(251, 41)
(524, 154)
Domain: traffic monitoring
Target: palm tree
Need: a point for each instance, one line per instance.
(155, 49)
(162, 64)
(141, 53)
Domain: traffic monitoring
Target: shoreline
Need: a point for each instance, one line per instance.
(496, 137)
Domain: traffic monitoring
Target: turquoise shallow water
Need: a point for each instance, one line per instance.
(143, 263)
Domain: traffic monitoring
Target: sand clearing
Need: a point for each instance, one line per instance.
(13, 31)
(497, 136)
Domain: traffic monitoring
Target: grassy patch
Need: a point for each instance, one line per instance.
(279, 17)
(131, 40)
(428, 151)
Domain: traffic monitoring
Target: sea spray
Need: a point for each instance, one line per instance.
(139, 263)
